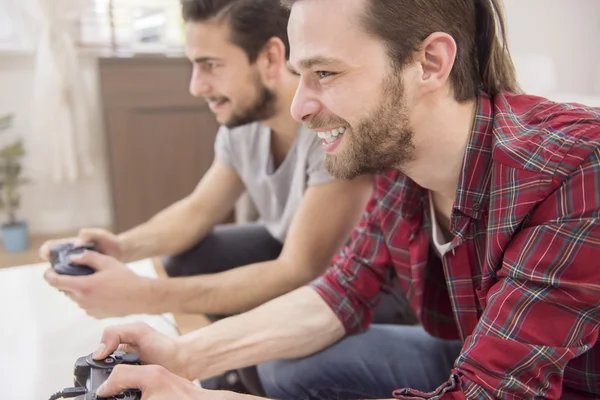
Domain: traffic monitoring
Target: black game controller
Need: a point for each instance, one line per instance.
(90, 374)
(60, 258)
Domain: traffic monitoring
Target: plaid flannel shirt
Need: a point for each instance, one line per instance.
(520, 284)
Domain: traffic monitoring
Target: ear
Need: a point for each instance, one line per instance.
(271, 59)
(437, 60)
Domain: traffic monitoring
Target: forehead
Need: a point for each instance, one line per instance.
(330, 29)
(209, 39)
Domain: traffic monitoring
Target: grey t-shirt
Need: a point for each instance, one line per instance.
(275, 193)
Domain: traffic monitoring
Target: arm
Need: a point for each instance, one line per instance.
(319, 228)
(294, 325)
(184, 223)
(301, 322)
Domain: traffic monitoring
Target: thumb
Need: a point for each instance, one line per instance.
(89, 235)
(124, 377)
(95, 260)
(113, 336)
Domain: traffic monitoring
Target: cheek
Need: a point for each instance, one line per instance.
(338, 103)
(237, 88)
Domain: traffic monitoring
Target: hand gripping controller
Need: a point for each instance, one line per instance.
(60, 258)
(90, 374)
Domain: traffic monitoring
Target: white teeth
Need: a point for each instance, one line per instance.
(332, 134)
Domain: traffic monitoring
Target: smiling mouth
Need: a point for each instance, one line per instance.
(215, 104)
(331, 135)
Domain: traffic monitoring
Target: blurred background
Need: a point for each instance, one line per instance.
(95, 93)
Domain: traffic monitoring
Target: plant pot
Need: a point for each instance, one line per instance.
(15, 237)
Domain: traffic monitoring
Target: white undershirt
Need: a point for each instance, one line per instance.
(441, 246)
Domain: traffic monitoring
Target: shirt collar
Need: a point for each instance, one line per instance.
(472, 196)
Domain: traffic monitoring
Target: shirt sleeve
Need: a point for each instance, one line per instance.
(317, 174)
(544, 309)
(351, 286)
(224, 150)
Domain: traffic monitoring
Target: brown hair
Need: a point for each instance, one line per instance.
(252, 23)
(482, 61)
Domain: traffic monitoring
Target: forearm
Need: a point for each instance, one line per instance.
(229, 292)
(171, 231)
(297, 324)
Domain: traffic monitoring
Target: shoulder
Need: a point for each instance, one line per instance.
(536, 134)
(396, 194)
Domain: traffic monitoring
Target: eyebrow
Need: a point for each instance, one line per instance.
(308, 63)
(200, 60)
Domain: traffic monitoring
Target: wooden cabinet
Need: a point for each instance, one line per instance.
(159, 138)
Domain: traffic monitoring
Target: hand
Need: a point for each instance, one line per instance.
(105, 241)
(152, 346)
(112, 291)
(156, 383)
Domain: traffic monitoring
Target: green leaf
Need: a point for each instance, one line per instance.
(14, 150)
(10, 177)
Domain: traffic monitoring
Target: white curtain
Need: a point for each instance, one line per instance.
(62, 117)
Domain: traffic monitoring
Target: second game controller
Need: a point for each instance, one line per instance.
(60, 258)
(92, 373)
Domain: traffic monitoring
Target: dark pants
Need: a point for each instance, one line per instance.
(225, 248)
(369, 365)
(231, 246)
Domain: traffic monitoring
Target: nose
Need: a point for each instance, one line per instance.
(305, 105)
(199, 86)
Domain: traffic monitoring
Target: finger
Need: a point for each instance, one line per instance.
(95, 260)
(44, 250)
(65, 283)
(113, 336)
(89, 235)
(129, 377)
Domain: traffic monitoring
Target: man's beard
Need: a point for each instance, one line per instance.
(262, 108)
(381, 141)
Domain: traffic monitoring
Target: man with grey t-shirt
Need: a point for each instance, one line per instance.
(305, 214)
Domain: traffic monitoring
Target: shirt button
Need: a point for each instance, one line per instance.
(476, 207)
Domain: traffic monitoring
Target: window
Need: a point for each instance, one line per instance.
(132, 25)
(9, 32)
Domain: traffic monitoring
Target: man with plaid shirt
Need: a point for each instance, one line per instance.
(487, 209)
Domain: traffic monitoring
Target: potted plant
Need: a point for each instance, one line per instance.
(15, 233)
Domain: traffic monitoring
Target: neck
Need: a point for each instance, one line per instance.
(282, 124)
(443, 127)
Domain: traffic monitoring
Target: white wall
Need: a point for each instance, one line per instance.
(567, 32)
(47, 206)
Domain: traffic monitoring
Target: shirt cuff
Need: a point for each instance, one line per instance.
(450, 390)
(355, 319)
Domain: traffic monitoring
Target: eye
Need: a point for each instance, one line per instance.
(324, 74)
(209, 66)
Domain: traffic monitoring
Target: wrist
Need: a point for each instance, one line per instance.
(156, 296)
(125, 248)
(192, 357)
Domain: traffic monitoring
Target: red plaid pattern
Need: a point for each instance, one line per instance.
(520, 284)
